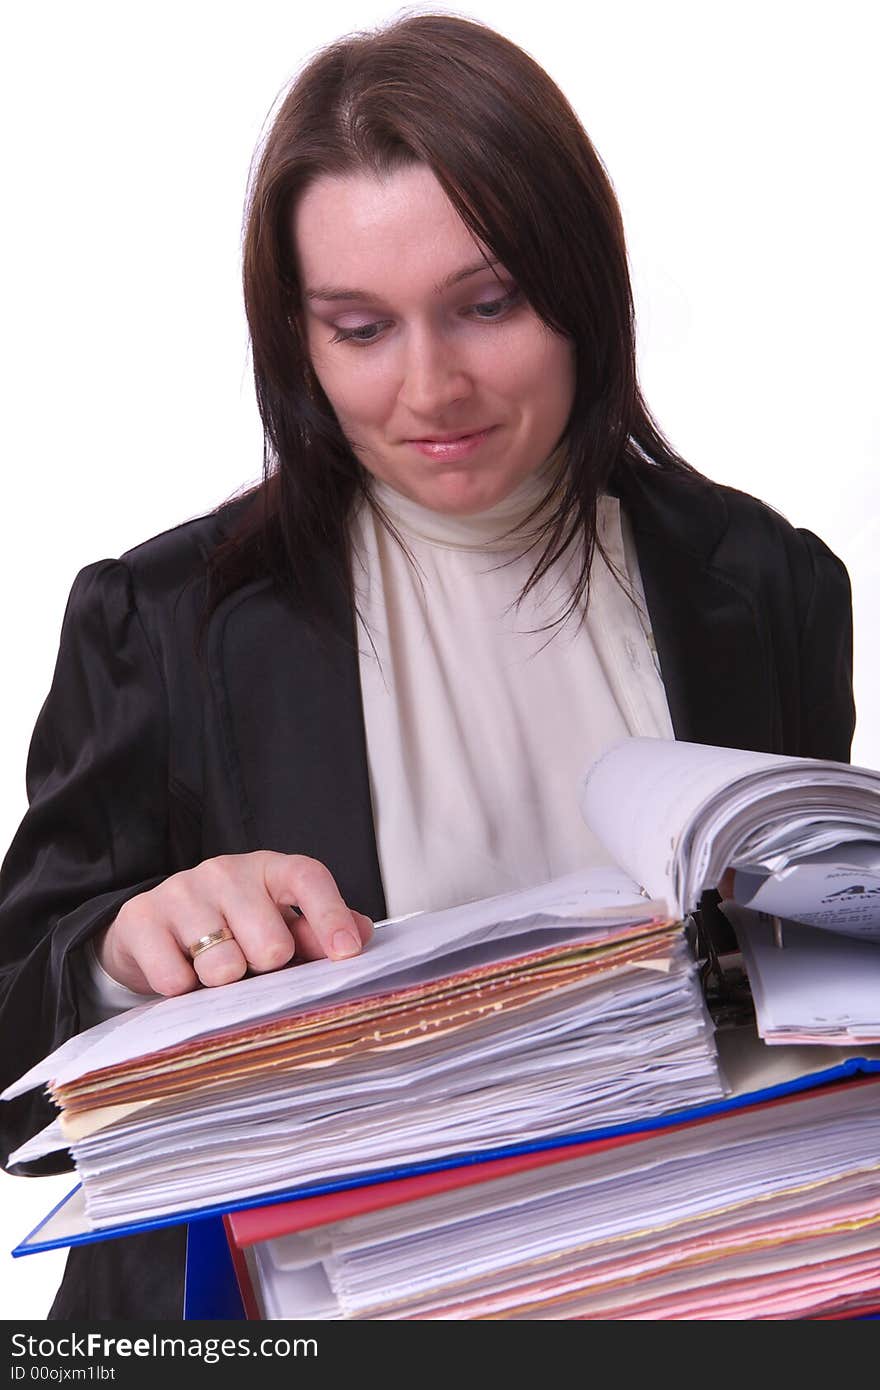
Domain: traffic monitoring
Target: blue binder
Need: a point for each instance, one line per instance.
(67, 1224)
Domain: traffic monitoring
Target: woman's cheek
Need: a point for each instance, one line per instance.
(366, 401)
(355, 381)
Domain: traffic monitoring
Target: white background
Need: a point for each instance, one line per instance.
(741, 140)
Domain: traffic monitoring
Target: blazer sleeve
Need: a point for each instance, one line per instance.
(95, 833)
(827, 708)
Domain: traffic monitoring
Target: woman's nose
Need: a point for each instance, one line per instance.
(434, 377)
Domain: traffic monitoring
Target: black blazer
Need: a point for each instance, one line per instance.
(146, 760)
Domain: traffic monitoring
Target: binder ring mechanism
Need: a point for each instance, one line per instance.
(205, 943)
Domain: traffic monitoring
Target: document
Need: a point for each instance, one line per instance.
(592, 902)
(571, 1005)
(769, 1212)
(803, 834)
(820, 988)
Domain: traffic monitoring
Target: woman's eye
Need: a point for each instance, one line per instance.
(364, 333)
(489, 309)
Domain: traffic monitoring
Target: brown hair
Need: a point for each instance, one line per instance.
(519, 169)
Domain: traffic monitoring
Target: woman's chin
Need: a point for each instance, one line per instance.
(458, 491)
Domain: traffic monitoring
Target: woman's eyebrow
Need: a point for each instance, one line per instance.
(334, 292)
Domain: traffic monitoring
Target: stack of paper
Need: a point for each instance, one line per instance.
(567, 1006)
(769, 1212)
(818, 988)
(803, 834)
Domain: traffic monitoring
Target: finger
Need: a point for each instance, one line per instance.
(228, 889)
(308, 943)
(221, 963)
(166, 969)
(190, 918)
(295, 879)
(260, 928)
(142, 943)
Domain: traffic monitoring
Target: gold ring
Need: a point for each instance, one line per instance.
(205, 943)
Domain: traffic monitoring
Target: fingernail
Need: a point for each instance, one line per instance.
(345, 943)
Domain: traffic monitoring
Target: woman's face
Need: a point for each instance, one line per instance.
(445, 382)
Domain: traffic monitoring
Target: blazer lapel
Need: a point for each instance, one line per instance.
(288, 738)
(709, 632)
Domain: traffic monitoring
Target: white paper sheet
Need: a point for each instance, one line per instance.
(676, 815)
(596, 897)
(836, 889)
(819, 986)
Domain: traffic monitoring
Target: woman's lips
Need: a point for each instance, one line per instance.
(451, 449)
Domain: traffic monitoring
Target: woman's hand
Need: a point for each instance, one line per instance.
(146, 946)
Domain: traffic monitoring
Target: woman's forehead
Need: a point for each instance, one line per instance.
(365, 231)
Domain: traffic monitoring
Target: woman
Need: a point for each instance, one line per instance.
(369, 686)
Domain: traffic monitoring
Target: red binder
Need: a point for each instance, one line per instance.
(246, 1228)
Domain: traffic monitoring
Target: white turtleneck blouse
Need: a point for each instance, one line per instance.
(478, 724)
